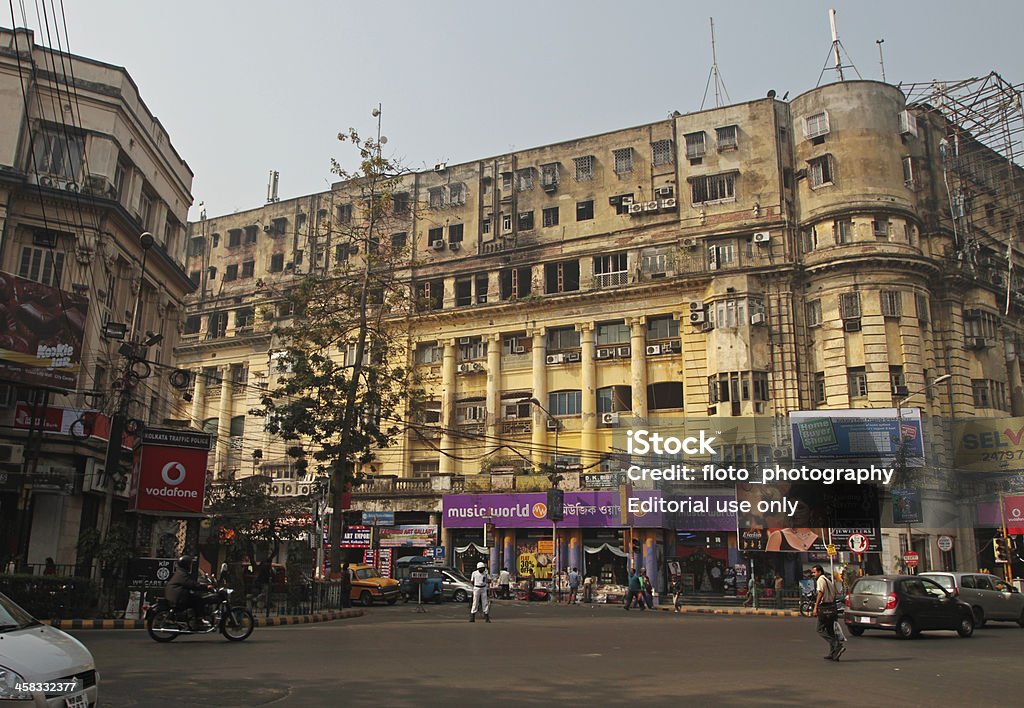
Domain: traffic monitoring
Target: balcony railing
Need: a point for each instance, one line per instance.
(610, 280)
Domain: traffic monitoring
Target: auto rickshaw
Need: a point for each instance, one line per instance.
(427, 589)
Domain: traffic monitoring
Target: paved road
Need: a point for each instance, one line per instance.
(534, 654)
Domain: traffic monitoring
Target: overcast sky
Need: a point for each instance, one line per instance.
(244, 87)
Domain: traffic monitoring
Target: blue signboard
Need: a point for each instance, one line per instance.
(379, 518)
(857, 437)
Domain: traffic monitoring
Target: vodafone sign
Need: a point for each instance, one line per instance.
(169, 477)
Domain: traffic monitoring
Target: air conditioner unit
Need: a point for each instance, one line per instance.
(780, 453)
(674, 346)
(626, 201)
(437, 245)
(609, 419)
(553, 425)
(12, 454)
(636, 208)
(908, 123)
(477, 367)
(267, 228)
(978, 343)
(900, 391)
(690, 243)
(669, 203)
(573, 356)
(757, 318)
(554, 358)
(697, 317)
(651, 206)
(605, 353)
(440, 167)
(762, 237)
(851, 325)
(519, 350)
(465, 340)
(622, 352)
(462, 368)
(481, 299)
(653, 349)
(696, 306)
(454, 246)
(666, 191)
(707, 327)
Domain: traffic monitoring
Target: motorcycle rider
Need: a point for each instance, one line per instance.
(182, 592)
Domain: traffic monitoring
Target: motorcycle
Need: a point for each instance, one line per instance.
(533, 595)
(807, 604)
(165, 623)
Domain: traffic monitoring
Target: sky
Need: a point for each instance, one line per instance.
(245, 87)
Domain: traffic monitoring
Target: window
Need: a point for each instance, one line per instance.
(843, 231)
(814, 313)
(435, 198)
(515, 283)
(430, 295)
(506, 223)
(42, 266)
(399, 241)
(231, 272)
(276, 263)
(909, 173)
(662, 327)
(341, 253)
(736, 386)
(980, 324)
(192, 324)
(982, 398)
(808, 240)
(234, 237)
(584, 168)
(525, 220)
(820, 172)
(344, 213)
(610, 333)
(610, 270)
(613, 398)
(244, 318)
(470, 413)
(400, 203)
(695, 146)
(759, 379)
(713, 188)
(425, 468)
(730, 313)
(195, 276)
(654, 263)
(727, 137)
(892, 303)
(145, 208)
(549, 175)
(623, 160)
(819, 387)
(457, 194)
(561, 338)
(58, 153)
(211, 272)
(217, 326)
(721, 255)
(463, 292)
(561, 277)
(989, 394)
(300, 222)
(429, 354)
(516, 345)
(665, 395)
(816, 125)
(251, 233)
(550, 216)
(525, 179)
(849, 306)
(922, 309)
(565, 403)
(661, 152)
(897, 381)
(880, 228)
(485, 226)
(196, 246)
(455, 233)
(435, 234)
(585, 210)
(857, 379)
(248, 268)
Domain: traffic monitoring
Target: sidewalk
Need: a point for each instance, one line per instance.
(274, 621)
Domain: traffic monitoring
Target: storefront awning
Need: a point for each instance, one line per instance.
(606, 547)
(474, 546)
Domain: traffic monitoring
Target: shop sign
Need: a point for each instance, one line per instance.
(384, 562)
(602, 480)
(169, 474)
(529, 510)
(378, 518)
(410, 536)
(149, 573)
(989, 444)
(356, 537)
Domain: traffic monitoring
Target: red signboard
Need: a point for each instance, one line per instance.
(169, 477)
(911, 559)
(1013, 513)
(40, 333)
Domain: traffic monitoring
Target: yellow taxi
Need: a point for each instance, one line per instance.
(368, 586)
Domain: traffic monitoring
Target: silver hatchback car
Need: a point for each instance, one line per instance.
(990, 597)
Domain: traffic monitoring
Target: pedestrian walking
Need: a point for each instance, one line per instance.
(779, 584)
(481, 602)
(588, 589)
(752, 585)
(635, 588)
(346, 586)
(825, 611)
(647, 594)
(504, 581)
(677, 592)
(574, 586)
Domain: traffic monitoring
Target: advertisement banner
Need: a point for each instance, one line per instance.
(40, 333)
(858, 437)
(378, 518)
(412, 536)
(906, 506)
(356, 537)
(529, 510)
(989, 444)
(169, 475)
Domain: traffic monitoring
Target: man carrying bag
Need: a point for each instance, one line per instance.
(825, 611)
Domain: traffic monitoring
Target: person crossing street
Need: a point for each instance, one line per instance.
(480, 580)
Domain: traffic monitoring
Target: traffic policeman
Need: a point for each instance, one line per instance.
(480, 580)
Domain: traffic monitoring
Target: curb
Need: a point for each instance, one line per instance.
(260, 621)
(731, 611)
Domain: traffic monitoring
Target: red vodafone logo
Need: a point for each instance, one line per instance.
(173, 473)
(540, 510)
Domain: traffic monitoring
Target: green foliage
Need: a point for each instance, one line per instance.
(112, 553)
(246, 511)
(49, 596)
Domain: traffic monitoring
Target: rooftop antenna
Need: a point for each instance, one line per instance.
(881, 59)
(272, 181)
(714, 75)
(834, 52)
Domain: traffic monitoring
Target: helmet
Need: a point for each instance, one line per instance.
(185, 563)
(480, 565)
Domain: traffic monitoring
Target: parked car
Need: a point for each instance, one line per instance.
(34, 653)
(906, 604)
(457, 587)
(368, 586)
(990, 597)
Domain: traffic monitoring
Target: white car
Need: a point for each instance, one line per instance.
(43, 666)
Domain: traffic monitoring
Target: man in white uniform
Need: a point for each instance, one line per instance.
(480, 580)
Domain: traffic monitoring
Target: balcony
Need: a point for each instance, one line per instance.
(611, 280)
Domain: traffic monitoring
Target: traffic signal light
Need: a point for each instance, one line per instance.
(556, 505)
(1001, 549)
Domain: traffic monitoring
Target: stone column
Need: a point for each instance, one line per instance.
(638, 366)
(538, 439)
(198, 399)
(493, 388)
(588, 383)
(224, 417)
(446, 465)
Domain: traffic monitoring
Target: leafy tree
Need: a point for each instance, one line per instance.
(247, 514)
(342, 377)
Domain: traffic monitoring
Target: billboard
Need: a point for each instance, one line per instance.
(414, 536)
(529, 510)
(857, 437)
(169, 474)
(989, 444)
(41, 331)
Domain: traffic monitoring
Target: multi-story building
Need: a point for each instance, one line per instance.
(85, 169)
(838, 251)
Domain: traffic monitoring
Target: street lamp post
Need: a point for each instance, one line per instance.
(555, 478)
(901, 445)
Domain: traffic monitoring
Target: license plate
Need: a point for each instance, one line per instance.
(864, 620)
(76, 701)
